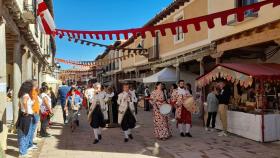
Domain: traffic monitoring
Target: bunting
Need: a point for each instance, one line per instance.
(184, 24)
(110, 47)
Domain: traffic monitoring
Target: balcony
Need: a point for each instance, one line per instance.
(29, 13)
(153, 53)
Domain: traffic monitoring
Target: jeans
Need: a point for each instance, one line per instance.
(211, 116)
(44, 125)
(223, 115)
(33, 128)
(23, 141)
(63, 111)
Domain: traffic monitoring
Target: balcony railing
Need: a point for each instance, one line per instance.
(29, 13)
(153, 53)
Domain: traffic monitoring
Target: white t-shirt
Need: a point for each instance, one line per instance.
(43, 106)
(90, 93)
(29, 104)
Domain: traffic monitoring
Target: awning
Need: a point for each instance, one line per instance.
(165, 75)
(243, 73)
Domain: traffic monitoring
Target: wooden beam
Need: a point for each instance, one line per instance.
(256, 38)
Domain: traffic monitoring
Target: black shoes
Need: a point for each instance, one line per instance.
(78, 123)
(183, 134)
(188, 135)
(125, 140)
(99, 137)
(95, 141)
(130, 136)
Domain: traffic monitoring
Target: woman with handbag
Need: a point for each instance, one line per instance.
(46, 111)
(96, 117)
(75, 102)
(25, 118)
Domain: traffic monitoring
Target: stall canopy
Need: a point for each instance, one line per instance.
(165, 75)
(243, 73)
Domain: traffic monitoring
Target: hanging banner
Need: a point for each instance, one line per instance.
(45, 19)
(196, 22)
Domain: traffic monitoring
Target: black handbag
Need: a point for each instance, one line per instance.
(1, 126)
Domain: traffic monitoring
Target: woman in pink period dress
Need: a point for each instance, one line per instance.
(161, 126)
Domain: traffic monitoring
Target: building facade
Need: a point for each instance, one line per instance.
(193, 53)
(26, 53)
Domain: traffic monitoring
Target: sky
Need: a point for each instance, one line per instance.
(95, 15)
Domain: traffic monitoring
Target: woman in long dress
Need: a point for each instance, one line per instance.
(161, 126)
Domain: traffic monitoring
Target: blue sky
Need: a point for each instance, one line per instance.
(99, 15)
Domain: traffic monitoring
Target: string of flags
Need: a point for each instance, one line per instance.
(184, 24)
(110, 47)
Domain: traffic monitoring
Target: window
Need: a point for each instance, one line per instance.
(179, 31)
(241, 3)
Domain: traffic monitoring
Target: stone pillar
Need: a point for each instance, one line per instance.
(177, 66)
(201, 66)
(29, 65)
(26, 66)
(3, 83)
(17, 78)
(39, 74)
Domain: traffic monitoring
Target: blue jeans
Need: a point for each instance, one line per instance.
(62, 101)
(23, 141)
(33, 128)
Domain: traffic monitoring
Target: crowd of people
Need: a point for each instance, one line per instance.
(35, 109)
(104, 107)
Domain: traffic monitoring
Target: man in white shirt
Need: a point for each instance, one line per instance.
(135, 100)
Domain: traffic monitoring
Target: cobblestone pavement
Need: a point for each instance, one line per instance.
(204, 144)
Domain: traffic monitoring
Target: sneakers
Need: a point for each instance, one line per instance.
(66, 122)
(33, 147)
(223, 133)
(212, 129)
(99, 137)
(207, 129)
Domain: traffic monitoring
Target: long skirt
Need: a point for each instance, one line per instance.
(186, 117)
(128, 121)
(97, 118)
(161, 126)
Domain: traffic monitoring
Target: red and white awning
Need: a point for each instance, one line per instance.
(44, 18)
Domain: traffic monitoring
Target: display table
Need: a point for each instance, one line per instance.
(250, 125)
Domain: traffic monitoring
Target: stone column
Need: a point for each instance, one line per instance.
(201, 66)
(177, 66)
(25, 65)
(17, 77)
(29, 65)
(3, 83)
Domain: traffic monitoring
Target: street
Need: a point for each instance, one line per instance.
(204, 144)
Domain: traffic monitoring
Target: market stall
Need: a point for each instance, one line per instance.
(165, 75)
(254, 107)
